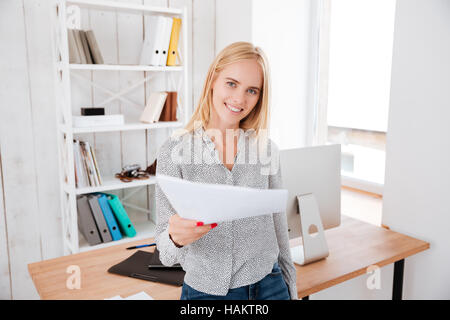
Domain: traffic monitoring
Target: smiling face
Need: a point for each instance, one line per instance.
(236, 91)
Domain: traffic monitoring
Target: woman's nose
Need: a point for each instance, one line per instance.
(238, 98)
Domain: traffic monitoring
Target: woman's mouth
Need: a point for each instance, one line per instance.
(233, 109)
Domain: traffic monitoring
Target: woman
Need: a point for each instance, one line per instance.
(239, 259)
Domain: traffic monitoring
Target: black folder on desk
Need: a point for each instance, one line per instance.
(136, 266)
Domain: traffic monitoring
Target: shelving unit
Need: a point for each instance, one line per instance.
(64, 72)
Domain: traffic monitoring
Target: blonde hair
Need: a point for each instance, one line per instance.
(258, 118)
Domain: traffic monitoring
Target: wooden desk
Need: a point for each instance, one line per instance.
(353, 246)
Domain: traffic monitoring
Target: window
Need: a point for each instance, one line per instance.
(359, 71)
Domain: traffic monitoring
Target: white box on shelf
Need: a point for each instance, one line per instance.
(92, 121)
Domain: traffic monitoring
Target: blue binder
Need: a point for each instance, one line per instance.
(109, 217)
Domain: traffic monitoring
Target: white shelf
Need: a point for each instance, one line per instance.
(145, 229)
(124, 127)
(124, 7)
(123, 67)
(110, 183)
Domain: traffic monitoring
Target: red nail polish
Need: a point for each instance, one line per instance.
(213, 225)
(199, 224)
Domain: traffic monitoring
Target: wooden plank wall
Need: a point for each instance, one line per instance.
(30, 218)
(19, 165)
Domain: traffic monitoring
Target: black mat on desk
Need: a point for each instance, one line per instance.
(136, 266)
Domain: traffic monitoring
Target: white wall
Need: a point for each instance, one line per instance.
(31, 225)
(417, 182)
(284, 30)
(233, 22)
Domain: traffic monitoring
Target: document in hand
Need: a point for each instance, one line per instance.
(216, 202)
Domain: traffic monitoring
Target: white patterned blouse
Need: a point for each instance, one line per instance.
(239, 252)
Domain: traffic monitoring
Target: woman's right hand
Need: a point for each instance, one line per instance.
(185, 231)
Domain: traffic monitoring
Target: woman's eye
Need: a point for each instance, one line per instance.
(252, 91)
(231, 84)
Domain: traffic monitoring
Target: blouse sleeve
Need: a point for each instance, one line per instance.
(169, 254)
(281, 229)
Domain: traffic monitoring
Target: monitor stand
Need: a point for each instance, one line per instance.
(314, 245)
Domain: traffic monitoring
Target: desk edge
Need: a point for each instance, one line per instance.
(354, 274)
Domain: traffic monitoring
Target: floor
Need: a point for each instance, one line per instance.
(361, 205)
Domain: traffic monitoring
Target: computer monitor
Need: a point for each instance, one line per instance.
(312, 170)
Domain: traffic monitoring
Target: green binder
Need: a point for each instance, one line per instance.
(123, 220)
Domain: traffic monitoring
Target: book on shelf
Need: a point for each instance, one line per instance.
(161, 38)
(86, 50)
(154, 106)
(86, 153)
(94, 121)
(80, 172)
(97, 171)
(169, 111)
(83, 47)
(87, 173)
(74, 55)
(93, 46)
(79, 45)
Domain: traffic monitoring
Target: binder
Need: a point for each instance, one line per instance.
(173, 45)
(150, 53)
(165, 40)
(154, 107)
(169, 112)
(99, 218)
(136, 266)
(86, 223)
(121, 215)
(109, 217)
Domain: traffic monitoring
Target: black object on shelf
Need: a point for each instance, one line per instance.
(92, 111)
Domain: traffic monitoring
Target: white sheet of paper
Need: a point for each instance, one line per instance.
(138, 296)
(211, 203)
